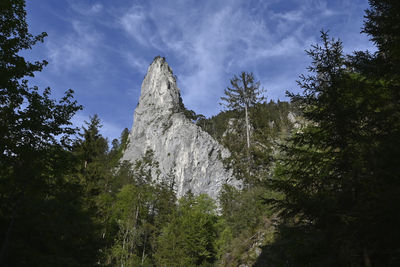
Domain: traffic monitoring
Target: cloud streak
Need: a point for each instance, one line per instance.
(102, 49)
(210, 43)
(76, 49)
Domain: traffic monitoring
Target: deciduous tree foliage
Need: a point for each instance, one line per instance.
(141, 208)
(38, 194)
(188, 239)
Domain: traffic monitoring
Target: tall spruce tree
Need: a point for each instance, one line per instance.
(337, 172)
(92, 151)
(241, 99)
(382, 25)
(244, 93)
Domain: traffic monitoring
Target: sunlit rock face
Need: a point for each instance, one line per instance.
(183, 149)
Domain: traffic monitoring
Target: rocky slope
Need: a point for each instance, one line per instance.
(183, 150)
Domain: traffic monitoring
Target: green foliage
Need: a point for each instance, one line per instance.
(190, 114)
(38, 192)
(244, 92)
(135, 209)
(92, 153)
(268, 119)
(242, 209)
(242, 224)
(270, 125)
(381, 24)
(118, 147)
(245, 219)
(337, 173)
(218, 124)
(188, 239)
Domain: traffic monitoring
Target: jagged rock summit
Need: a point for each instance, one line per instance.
(183, 149)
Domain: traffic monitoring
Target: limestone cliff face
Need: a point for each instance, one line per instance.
(182, 148)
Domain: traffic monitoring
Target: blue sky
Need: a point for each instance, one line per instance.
(102, 49)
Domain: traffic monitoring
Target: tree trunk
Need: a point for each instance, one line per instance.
(137, 212)
(144, 248)
(367, 260)
(247, 128)
(5, 241)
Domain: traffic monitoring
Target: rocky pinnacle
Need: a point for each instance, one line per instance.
(183, 149)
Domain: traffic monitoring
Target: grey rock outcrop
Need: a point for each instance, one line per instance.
(181, 147)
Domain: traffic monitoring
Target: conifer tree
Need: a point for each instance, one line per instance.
(244, 93)
(92, 150)
(337, 172)
(381, 24)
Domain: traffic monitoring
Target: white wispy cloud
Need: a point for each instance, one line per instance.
(74, 50)
(209, 42)
(134, 22)
(136, 62)
(85, 8)
(103, 48)
(212, 42)
(95, 9)
(138, 25)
